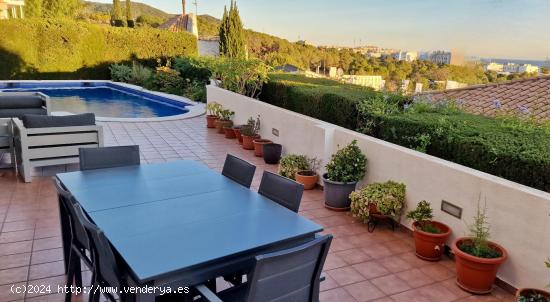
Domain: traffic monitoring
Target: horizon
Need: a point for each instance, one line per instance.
(489, 29)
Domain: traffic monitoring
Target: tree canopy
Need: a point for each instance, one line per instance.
(232, 35)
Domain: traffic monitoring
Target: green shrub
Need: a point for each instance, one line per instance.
(242, 76)
(388, 197)
(168, 80)
(140, 75)
(120, 73)
(423, 215)
(65, 49)
(478, 244)
(292, 163)
(348, 164)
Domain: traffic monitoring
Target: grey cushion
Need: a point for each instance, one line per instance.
(46, 121)
(20, 101)
(19, 113)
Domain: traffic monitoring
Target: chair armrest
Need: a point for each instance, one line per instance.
(323, 277)
(207, 294)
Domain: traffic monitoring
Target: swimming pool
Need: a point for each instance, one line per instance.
(108, 100)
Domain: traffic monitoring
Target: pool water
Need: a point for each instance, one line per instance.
(108, 102)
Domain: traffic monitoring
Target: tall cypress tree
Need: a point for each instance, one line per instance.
(129, 17)
(33, 8)
(116, 14)
(232, 36)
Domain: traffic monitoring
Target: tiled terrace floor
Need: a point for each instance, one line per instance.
(361, 266)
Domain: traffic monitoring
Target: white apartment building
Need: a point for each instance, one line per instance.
(442, 57)
(372, 81)
(407, 56)
(493, 67)
(520, 68)
(11, 9)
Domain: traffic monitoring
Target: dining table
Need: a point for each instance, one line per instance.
(181, 223)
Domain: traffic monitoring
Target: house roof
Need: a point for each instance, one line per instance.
(528, 95)
(176, 24)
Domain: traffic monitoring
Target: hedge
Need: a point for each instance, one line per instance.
(323, 99)
(486, 144)
(65, 49)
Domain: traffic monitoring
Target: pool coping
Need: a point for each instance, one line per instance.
(195, 108)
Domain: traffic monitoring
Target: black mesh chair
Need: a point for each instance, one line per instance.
(106, 270)
(289, 275)
(238, 170)
(108, 157)
(282, 190)
(76, 246)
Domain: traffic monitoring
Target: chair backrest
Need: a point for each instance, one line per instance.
(238, 170)
(282, 190)
(66, 200)
(106, 268)
(108, 157)
(289, 275)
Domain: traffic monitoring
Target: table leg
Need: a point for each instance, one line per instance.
(65, 235)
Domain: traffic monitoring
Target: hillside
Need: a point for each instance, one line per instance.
(138, 9)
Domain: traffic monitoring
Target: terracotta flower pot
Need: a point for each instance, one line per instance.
(526, 292)
(259, 146)
(211, 121)
(475, 274)
(229, 132)
(430, 246)
(307, 178)
(248, 141)
(237, 130)
(220, 124)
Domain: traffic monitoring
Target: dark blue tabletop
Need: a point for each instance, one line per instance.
(174, 216)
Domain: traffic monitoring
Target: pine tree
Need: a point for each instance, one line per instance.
(129, 17)
(232, 36)
(116, 14)
(33, 8)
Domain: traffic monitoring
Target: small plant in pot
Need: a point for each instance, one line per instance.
(272, 153)
(346, 167)
(378, 201)
(224, 120)
(212, 109)
(309, 177)
(292, 163)
(429, 236)
(533, 294)
(250, 132)
(477, 259)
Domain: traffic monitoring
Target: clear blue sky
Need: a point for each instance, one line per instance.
(488, 28)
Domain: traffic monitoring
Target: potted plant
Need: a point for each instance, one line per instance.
(477, 259)
(224, 120)
(250, 132)
(259, 144)
(212, 109)
(346, 167)
(272, 153)
(237, 131)
(309, 177)
(533, 294)
(429, 236)
(292, 163)
(378, 201)
(229, 132)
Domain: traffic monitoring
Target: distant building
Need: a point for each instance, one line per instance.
(443, 57)
(305, 43)
(335, 72)
(184, 22)
(372, 81)
(11, 9)
(520, 68)
(493, 67)
(288, 68)
(546, 63)
(407, 56)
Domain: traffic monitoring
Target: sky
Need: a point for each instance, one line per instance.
(486, 28)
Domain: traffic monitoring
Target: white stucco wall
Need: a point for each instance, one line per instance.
(519, 215)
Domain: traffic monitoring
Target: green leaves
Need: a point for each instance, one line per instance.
(388, 198)
(232, 36)
(292, 163)
(348, 164)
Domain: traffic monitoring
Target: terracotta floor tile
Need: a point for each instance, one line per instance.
(15, 247)
(336, 295)
(353, 256)
(364, 291)
(394, 264)
(328, 283)
(450, 284)
(437, 272)
(6, 293)
(16, 236)
(47, 243)
(377, 251)
(13, 275)
(415, 278)
(45, 270)
(345, 275)
(45, 256)
(333, 261)
(15, 260)
(390, 284)
(371, 269)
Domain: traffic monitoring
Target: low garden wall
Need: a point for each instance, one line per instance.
(519, 215)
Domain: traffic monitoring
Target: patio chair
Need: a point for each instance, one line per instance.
(76, 245)
(42, 140)
(293, 274)
(108, 157)
(282, 190)
(238, 170)
(6, 139)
